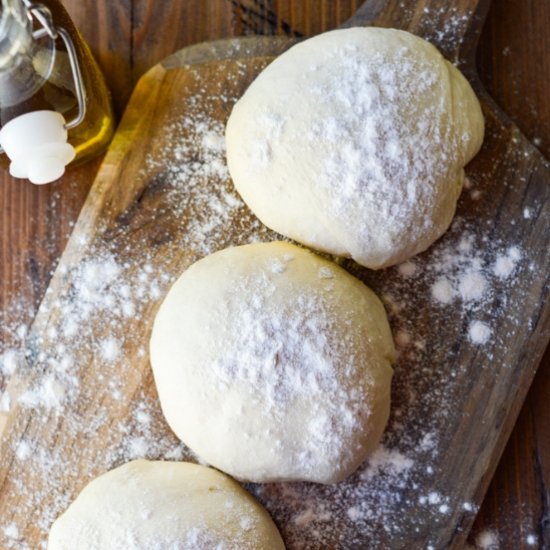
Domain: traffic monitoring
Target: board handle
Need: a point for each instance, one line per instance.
(453, 27)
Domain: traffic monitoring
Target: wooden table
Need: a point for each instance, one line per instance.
(128, 36)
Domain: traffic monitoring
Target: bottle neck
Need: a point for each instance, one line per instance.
(15, 32)
(25, 63)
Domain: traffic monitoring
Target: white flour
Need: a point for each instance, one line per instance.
(310, 359)
(479, 332)
(487, 540)
(461, 274)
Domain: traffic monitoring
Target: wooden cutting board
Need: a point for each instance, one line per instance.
(84, 399)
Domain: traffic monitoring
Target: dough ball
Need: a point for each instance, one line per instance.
(354, 142)
(163, 506)
(274, 364)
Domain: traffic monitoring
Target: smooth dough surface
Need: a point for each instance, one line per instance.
(272, 364)
(354, 142)
(146, 505)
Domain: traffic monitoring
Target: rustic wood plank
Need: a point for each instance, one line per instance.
(36, 223)
(193, 22)
(517, 502)
(513, 56)
(160, 28)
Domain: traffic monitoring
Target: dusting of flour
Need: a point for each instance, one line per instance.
(373, 115)
(88, 343)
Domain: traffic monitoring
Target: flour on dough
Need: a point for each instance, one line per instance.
(146, 505)
(273, 364)
(354, 142)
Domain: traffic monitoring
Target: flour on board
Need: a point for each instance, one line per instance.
(117, 290)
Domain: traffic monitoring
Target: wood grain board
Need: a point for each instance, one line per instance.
(121, 215)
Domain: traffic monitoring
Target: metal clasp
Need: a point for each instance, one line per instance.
(44, 17)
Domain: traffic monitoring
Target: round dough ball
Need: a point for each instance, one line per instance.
(163, 506)
(354, 142)
(274, 364)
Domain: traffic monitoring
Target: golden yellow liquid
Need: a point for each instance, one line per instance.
(94, 133)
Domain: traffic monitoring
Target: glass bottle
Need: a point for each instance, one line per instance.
(47, 68)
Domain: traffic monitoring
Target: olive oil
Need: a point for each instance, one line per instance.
(94, 133)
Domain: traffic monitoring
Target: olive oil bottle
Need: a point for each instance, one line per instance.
(54, 105)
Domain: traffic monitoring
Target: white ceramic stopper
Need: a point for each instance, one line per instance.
(36, 144)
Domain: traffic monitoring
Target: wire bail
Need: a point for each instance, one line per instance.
(43, 16)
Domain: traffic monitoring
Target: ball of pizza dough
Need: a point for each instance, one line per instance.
(354, 142)
(273, 364)
(164, 505)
